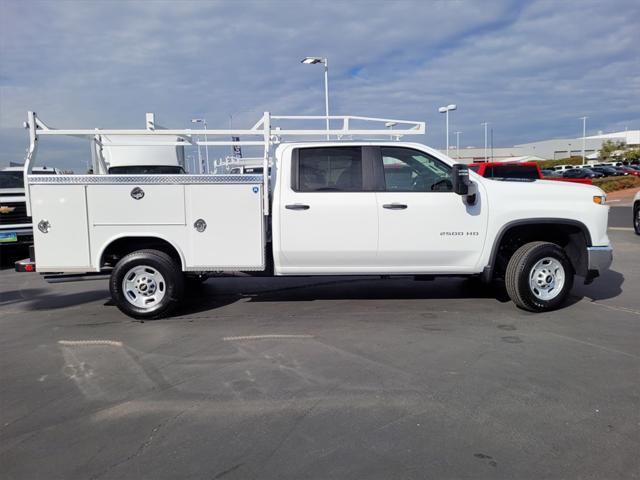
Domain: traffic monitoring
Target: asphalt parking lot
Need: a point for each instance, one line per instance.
(323, 378)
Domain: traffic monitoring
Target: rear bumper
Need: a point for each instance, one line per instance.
(28, 264)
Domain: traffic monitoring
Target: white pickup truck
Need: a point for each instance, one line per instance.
(330, 207)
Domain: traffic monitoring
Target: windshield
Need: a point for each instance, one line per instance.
(146, 169)
(11, 179)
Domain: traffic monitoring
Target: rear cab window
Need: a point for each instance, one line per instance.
(327, 169)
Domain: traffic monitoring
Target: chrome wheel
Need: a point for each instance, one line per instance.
(144, 287)
(636, 219)
(546, 278)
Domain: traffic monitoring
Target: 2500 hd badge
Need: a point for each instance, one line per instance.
(459, 234)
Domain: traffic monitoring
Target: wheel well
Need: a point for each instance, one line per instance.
(124, 246)
(572, 237)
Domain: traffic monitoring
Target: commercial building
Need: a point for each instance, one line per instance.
(546, 149)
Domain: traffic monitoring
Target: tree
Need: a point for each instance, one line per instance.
(631, 155)
(608, 147)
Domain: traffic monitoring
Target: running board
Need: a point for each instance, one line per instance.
(74, 277)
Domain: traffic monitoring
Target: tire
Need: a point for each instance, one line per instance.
(146, 284)
(636, 218)
(539, 277)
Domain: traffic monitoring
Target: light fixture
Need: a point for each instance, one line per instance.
(446, 111)
(325, 62)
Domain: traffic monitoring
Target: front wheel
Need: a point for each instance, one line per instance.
(636, 218)
(539, 277)
(146, 284)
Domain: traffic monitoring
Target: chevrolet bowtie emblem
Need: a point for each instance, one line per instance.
(4, 209)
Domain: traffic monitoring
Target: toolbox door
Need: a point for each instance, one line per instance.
(225, 227)
(60, 228)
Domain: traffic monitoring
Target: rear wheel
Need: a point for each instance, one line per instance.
(146, 284)
(539, 277)
(636, 218)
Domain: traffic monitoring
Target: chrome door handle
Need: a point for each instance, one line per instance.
(297, 206)
(394, 206)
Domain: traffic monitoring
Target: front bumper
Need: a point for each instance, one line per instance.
(599, 259)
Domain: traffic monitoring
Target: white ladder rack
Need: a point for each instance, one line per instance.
(265, 129)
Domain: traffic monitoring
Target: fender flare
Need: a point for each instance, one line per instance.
(487, 272)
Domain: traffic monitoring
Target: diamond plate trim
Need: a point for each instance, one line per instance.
(142, 179)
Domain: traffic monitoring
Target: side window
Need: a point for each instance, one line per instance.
(408, 170)
(328, 169)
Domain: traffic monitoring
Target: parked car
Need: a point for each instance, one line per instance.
(581, 173)
(549, 172)
(621, 170)
(15, 224)
(520, 171)
(636, 213)
(524, 171)
(631, 171)
(607, 171)
(562, 168)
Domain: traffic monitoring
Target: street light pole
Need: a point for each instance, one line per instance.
(325, 62)
(446, 111)
(458, 145)
(326, 92)
(485, 124)
(584, 137)
(204, 123)
(206, 147)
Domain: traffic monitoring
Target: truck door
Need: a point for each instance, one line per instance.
(424, 226)
(328, 221)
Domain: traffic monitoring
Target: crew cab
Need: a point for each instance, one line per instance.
(329, 207)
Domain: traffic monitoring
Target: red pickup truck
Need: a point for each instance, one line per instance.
(518, 171)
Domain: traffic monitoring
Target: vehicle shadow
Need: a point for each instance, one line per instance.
(608, 285)
(41, 299)
(219, 292)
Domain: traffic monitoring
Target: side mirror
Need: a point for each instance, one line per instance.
(460, 178)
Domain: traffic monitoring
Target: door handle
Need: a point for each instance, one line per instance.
(394, 206)
(297, 206)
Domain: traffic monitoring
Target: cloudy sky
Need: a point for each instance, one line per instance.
(531, 68)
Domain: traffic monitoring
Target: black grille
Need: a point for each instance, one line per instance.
(17, 216)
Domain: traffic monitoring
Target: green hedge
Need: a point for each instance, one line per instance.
(617, 183)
